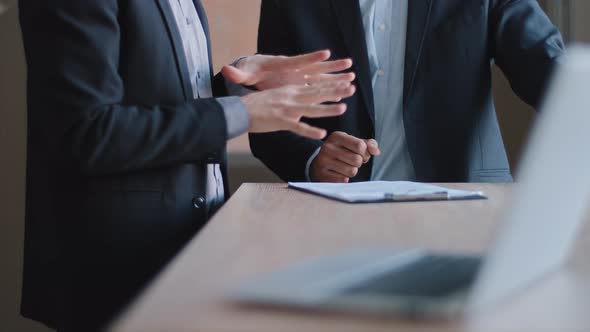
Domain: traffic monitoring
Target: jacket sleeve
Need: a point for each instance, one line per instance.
(73, 50)
(526, 46)
(285, 153)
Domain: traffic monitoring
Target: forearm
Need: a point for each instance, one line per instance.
(120, 138)
(526, 46)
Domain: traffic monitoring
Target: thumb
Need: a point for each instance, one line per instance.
(235, 75)
(373, 147)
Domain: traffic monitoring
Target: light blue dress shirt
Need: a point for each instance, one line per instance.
(385, 23)
(196, 52)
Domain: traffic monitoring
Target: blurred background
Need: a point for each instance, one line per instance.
(233, 27)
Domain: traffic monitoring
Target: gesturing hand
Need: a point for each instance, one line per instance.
(341, 156)
(269, 72)
(282, 108)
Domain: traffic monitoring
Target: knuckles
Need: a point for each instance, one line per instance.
(360, 147)
(358, 161)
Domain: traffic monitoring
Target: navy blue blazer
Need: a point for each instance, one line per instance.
(449, 117)
(117, 154)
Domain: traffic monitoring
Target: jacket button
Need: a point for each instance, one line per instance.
(212, 158)
(199, 203)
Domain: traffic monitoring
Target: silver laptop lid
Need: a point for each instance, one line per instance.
(552, 193)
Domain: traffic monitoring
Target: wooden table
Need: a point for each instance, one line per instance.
(265, 227)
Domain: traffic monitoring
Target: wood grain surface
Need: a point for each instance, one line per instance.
(267, 226)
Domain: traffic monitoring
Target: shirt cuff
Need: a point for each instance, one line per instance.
(236, 116)
(308, 165)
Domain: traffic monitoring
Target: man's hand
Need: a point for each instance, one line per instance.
(341, 156)
(282, 108)
(269, 72)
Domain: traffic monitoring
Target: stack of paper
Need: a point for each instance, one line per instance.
(385, 191)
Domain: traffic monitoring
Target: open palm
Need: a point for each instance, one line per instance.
(265, 72)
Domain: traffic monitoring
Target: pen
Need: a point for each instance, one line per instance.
(442, 195)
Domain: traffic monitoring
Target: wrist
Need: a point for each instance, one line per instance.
(248, 102)
(236, 115)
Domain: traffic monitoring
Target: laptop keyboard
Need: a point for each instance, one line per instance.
(429, 276)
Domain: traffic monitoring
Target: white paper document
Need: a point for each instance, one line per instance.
(385, 191)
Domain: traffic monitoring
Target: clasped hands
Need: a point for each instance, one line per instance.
(290, 88)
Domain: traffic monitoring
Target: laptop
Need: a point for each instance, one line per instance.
(535, 238)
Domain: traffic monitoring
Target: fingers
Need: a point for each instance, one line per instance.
(325, 92)
(234, 75)
(282, 109)
(342, 168)
(323, 78)
(332, 177)
(279, 109)
(341, 158)
(354, 145)
(343, 155)
(316, 111)
(327, 67)
(305, 130)
(300, 61)
(346, 77)
(336, 163)
(268, 72)
(325, 168)
(373, 147)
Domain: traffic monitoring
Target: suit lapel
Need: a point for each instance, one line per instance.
(349, 18)
(178, 47)
(419, 12)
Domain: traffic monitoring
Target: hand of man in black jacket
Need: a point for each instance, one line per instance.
(341, 156)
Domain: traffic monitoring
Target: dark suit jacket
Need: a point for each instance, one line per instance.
(449, 117)
(117, 149)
